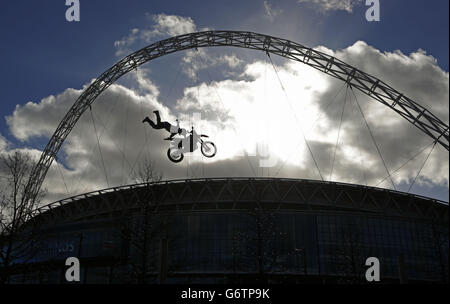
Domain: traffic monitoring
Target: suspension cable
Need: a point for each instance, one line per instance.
(124, 142)
(58, 165)
(192, 168)
(295, 116)
(91, 148)
(320, 114)
(318, 117)
(406, 162)
(132, 172)
(146, 134)
(420, 170)
(114, 143)
(132, 167)
(359, 140)
(234, 129)
(339, 133)
(265, 105)
(188, 163)
(99, 148)
(373, 138)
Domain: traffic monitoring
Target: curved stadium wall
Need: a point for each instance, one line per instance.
(237, 230)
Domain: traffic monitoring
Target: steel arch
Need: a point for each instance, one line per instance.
(417, 115)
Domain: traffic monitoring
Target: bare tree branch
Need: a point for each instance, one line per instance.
(147, 172)
(15, 210)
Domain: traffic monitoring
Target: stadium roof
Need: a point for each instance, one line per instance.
(239, 193)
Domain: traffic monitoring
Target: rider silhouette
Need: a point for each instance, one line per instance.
(173, 130)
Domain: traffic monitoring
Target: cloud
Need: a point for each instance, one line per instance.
(162, 25)
(117, 114)
(173, 25)
(3, 143)
(333, 5)
(195, 60)
(271, 13)
(240, 114)
(27, 120)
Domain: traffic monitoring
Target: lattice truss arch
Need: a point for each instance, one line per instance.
(410, 110)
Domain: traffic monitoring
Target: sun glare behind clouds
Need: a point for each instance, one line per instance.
(265, 110)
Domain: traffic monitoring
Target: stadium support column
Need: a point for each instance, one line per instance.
(316, 235)
(402, 270)
(163, 261)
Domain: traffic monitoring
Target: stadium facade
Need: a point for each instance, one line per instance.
(239, 230)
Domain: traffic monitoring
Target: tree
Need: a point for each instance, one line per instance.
(261, 244)
(350, 254)
(147, 172)
(17, 237)
(138, 230)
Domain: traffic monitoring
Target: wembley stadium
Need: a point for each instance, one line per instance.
(239, 230)
(232, 230)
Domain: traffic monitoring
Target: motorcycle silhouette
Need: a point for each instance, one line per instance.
(187, 144)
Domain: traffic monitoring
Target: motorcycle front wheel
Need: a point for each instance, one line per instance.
(208, 149)
(174, 155)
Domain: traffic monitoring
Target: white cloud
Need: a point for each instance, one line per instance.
(19, 122)
(196, 60)
(3, 143)
(271, 13)
(161, 25)
(333, 5)
(173, 25)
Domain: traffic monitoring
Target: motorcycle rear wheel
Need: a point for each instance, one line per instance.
(173, 156)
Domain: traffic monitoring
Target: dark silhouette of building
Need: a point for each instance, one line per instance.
(240, 230)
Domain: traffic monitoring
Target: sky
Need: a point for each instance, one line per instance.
(235, 96)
